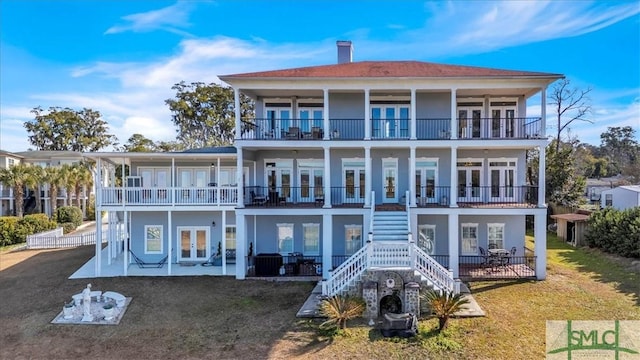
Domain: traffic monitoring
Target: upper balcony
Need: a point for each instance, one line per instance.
(396, 129)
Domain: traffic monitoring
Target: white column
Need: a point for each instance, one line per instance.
(325, 113)
(173, 182)
(454, 247)
(367, 178)
(241, 247)
(223, 227)
(169, 241)
(366, 225)
(127, 242)
(367, 116)
(239, 182)
(542, 160)
(413, 115)
(98, 246)
(453, 194)
(327, 178)
(412, 176)
(217, 191)
(454, 122)
(540, 244)
(543, 112)
(236, 98)
(327, 245)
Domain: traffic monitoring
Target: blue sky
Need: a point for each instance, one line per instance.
(122, 57)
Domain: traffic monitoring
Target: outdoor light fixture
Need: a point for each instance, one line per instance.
(213, 223)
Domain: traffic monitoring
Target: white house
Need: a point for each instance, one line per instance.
(345, 167)
(621, 197)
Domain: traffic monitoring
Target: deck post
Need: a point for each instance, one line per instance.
(327, 248)
(540, 244)
(453, 245)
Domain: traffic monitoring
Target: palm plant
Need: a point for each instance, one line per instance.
(84, 181)
(71, 181)
(34, 182)
(443, 304)
(55, 177)
(338, 309)
(16, 176)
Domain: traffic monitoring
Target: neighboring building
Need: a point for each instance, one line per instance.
(332, 150)
(621, 197)
(43, 159)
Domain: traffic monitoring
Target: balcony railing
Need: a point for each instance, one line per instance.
(291, 196)
(499, 128)
(506, 267)
(498, 194)
(269, 265)
(426, 129)
(170, 196)
(429, 196)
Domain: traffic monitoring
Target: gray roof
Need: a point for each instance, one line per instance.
(213, 150)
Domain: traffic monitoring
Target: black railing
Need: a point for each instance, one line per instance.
(429, 196)
(433, 129)
(346, 129)
(497, 267)
(442, 260)
(294, 264)
(390, 128)
(499, 128)
(283, 195)
(283, 129)
(347, 195)
(498, 194)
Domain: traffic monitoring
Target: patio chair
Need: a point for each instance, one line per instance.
(257, 199)
(512, 253)
(486, 258)
(143, 264)
(293, 133)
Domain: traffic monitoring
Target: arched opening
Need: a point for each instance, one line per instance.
(390, 304)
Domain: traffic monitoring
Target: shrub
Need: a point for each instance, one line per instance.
(443, 305)
(70, 214)
(68, 227)
(38, 223)
(8, 226)
(339, 309)
(615, 231)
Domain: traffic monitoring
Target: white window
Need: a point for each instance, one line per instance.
(311, 239)
(608, 200)
(230, 237)
(11, 162)
(427, 238)
(353, 238)
(469, 239)
(153, 239)
(285, 238)
(496, 236)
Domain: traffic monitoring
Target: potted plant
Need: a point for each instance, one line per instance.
(67, 310)
(217, 260)
(108, 310)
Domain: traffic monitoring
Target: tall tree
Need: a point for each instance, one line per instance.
(67, 129)
(34, 182)
(205, 115)
(619, 146)
(55, 177)
(139, 143)
(571, 104)
(16, 177)
(564, 186)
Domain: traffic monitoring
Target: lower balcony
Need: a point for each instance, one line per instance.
(170, 196)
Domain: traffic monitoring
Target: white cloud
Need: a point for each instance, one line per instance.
(171, 18)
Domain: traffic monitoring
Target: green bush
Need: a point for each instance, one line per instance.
(8, 227)
(615, 231)
(70, 214)
(68, 227)
(38, 223)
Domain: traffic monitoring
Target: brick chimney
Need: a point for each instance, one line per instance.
(345, 51)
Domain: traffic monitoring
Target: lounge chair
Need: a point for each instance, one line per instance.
(257, 199)
(143, 264)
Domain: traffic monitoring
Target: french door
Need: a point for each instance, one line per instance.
(426, 185)
(190, 179)
(354, 179)
(155, 178)
(390, 122)
(310, 118)
(470, 182)
(278, 122)
(279, 183)
(194, 243)
(311, 184)
(390, 180)
(503, 122)
(469, 122)
(502, 178)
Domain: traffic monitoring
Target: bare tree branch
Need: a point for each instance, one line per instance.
(572, 104)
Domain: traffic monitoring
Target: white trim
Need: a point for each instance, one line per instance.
(285, 225)
(193, 230)
(146, 239)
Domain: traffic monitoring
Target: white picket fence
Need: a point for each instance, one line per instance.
(55, 239)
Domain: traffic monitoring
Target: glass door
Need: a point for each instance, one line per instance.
(194, 243)
(354, 185)
(390, 122)
(389, 181)
(502, 178)
(469, 122)
(503, 121)
(311, 184)
(470, 181)
(279, 183)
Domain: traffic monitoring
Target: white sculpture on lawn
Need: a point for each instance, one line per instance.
(86, 303)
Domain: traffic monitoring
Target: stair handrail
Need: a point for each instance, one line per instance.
(372, 211)
(407, 203)
(347, 272)
(432, 270)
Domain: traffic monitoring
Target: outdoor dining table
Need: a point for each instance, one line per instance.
(501, 255)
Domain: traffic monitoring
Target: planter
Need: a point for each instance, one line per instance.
(67, 311)
(108, 311)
